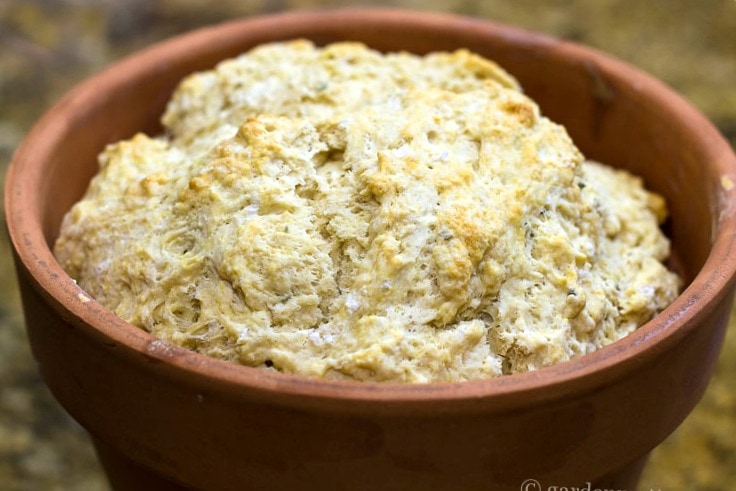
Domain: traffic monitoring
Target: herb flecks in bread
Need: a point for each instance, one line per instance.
(341, 213)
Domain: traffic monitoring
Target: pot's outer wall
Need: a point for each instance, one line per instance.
(211, 439)
(202, 424)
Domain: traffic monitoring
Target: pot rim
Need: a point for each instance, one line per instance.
(561, 381)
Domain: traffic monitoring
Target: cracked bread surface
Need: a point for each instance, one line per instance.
(342, 213)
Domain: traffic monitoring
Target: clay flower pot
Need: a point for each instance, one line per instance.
(163, 417)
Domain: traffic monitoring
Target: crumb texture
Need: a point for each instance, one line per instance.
(341, 213)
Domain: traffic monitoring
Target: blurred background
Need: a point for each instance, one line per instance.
(46, 46)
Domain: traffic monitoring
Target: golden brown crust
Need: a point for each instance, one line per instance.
(340, 213)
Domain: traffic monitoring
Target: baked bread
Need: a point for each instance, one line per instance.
(341, 213)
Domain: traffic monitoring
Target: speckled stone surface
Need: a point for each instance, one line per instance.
(48, 45)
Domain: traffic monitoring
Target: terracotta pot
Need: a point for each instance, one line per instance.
(163, 417)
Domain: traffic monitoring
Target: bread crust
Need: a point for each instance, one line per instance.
(341, 213)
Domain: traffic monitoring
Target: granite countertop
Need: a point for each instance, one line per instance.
(46, 46)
